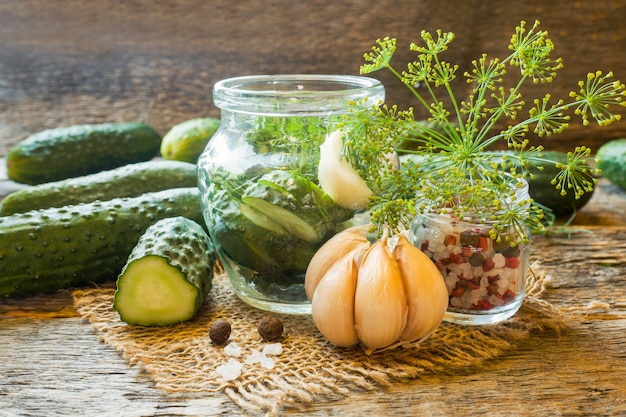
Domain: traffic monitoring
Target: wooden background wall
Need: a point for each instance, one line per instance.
(67, 62)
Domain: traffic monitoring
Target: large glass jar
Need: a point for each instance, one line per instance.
(485, 275)
(258, 175)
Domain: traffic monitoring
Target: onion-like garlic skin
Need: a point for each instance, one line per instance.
(379, 295)
(333, 302)
(331, 251)
(380, 308)
(338, 178)
(426, 292)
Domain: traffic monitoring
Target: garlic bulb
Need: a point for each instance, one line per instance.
(338, 178)
(379, 295)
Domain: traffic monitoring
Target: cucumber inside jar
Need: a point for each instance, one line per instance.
(269, 232)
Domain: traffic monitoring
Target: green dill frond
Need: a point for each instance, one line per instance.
(380, 57)
(433, 46)
(418, 71)
(548, 119)
(485, 76)
(451, 167)
(576, 175)
(596, 95)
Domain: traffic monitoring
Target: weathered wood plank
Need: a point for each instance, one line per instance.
(56, 365)
(157, 61)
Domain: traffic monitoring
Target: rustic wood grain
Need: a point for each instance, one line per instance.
(58, 367)
(74, 61)
(54, 364)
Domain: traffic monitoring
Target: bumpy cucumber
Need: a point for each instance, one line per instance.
(187, 140)
(128, 181)
(72, 151)
(542, 191)
(45, 250)
(612, 161)
(168, 274)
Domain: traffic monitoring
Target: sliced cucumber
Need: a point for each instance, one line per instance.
(290, 221)
(167, 276)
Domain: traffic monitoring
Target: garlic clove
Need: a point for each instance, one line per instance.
(332, 304)
(427, 295)
(380, 308)
(330, 252)
(338, 178)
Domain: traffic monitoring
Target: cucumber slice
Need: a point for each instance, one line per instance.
(290, 221)
(154, 293)
(168, 274)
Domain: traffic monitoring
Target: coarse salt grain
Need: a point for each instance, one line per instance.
(451, 279)
(230, 370)
(267, 362)
(254, 357)
(499, 260)
(263, 357)
(465, 270)
(273, 349)
(232, 349)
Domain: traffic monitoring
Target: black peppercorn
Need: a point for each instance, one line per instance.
(270, 328)
(219, 332)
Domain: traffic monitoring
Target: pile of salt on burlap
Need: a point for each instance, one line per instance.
(181, 360)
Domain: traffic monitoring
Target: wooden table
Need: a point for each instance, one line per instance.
(78, 61)
(52, 362)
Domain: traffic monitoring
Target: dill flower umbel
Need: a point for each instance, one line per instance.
(448, 163)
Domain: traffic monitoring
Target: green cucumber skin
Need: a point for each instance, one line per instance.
(186, 141)
(42, 251)
(72, 151)
(612, 161)
(542, 191)
(185, 245)
(129, 180)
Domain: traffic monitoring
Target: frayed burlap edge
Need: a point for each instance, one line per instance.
(181, 359)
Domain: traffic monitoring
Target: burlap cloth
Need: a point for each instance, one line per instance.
(182, 360)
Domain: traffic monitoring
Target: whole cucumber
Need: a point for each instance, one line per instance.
(42, 251)
(186, 141)
(127, 181)
(72, 151)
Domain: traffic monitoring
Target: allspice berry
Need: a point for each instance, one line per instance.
(270, 328)
(219, 332)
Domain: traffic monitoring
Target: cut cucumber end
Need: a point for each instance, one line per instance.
(290, 221)
(151, 292)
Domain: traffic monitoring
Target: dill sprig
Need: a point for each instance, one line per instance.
(450, 167)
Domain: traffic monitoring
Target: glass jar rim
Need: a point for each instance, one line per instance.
(295, 94)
